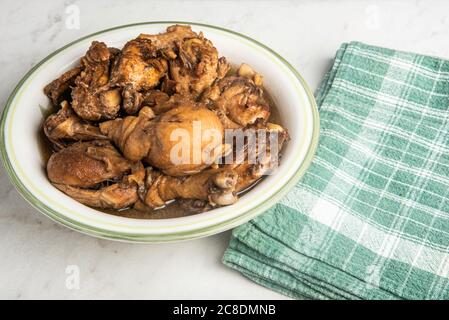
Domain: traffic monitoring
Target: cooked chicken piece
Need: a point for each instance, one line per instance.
(186, 126)
(214, 186)
(168, 39)
(58, 89)
(168, 86)
(158, 101)
(197, 66)
(66, 125)
(116, 196)
(132, 134)
(157, 140)
(85, 164)
(119, 195)
(93, 99)
(238, 101)
(139, 66)
(143, 63)
(132, 99)
(95, 107)
(259, 157)
(194, 64)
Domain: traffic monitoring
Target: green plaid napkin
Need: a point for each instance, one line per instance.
(370, 219)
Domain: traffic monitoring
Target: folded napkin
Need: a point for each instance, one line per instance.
(370, 218)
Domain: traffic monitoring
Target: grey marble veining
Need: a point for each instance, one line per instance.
(36, 252)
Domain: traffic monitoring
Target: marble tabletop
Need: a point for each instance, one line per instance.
(41, 259)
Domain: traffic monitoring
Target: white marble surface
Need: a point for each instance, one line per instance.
(35, 252)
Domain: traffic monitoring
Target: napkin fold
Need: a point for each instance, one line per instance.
(370, 218)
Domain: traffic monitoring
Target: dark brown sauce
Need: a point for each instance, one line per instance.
(171, 210)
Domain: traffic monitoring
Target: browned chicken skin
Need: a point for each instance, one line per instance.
(197, 66)
(117, 196)
(132, 134)
(158, 101)
(191, 60)
(120, 139)
(120, 195)
(161, 102)
(57, 89)
(139, 66)
(143, 62)
(238, 101)
(92, 97)
(66, 125)
(85, 164)
(188, 119)
(215, 186)
(167, 40)
(154, 139)
(263, 156)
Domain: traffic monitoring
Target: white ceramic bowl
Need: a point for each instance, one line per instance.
(23, 116)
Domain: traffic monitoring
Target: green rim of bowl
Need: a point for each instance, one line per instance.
(177, 236)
